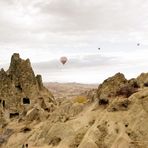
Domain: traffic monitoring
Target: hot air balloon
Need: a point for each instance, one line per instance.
(63, 60)
(138, 44)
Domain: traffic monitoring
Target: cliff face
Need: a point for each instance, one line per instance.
(20, 89)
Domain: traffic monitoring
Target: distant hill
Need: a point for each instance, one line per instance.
(68, 90)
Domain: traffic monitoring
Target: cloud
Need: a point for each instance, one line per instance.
(45, 30)
(74, 16)
(78, 15)
(44, 24)
(79, 62)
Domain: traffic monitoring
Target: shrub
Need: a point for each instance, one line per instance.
(80, 99)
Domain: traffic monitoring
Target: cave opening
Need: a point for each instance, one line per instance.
(3, 103)
(19, 88)
(13, 115)
(103, 101)
(146, 84)
(26, 100)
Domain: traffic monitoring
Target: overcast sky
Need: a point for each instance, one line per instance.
(45, 30)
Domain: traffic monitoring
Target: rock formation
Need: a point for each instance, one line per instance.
(20, 89)
(142, 80)
(111, 85)
(117, 85)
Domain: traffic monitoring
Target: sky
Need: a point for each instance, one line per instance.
(45, 30)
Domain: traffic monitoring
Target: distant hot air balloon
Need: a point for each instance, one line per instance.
(63, 60)
(138, 44)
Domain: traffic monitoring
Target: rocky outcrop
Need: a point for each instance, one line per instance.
(22, 75)
(117, 85)
(20, 89)
(142, 80)
(111, 85)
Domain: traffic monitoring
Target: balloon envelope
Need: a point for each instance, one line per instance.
(138, 44)
(63, 60)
